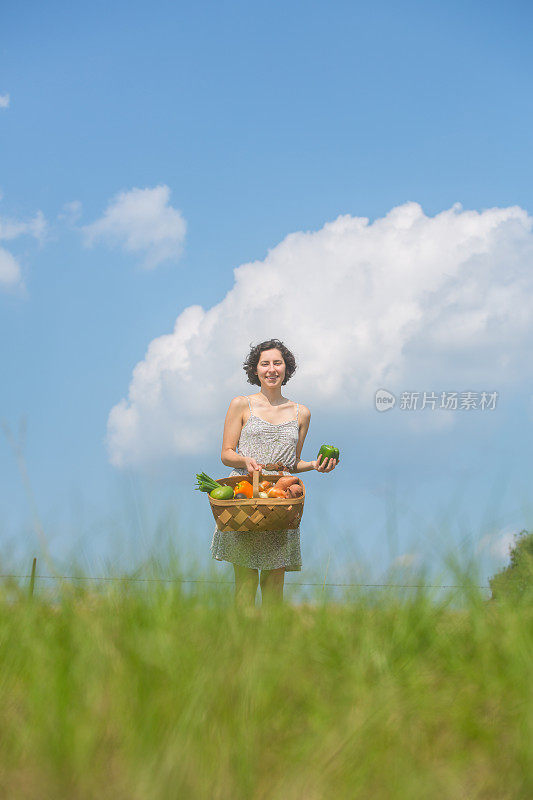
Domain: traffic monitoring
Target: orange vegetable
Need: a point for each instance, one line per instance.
(244, 487)
(295, 490)
(285, 482)
(277, 493)
(264, 486)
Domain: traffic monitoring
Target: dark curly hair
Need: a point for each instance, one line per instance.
(250, 365)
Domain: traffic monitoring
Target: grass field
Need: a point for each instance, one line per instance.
(141, 691)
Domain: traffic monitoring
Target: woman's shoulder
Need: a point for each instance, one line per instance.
(239, 401)
(304, 411)
(237, 407)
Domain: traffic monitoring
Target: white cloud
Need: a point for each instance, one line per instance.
(498, 544)
(362, 306)
(13, 228)
(4, 101)
(70, 213)
(141, 221)
(10, 271)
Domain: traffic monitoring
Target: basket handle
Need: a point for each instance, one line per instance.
(255, 483)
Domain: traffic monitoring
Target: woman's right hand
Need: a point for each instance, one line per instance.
(324, 464)
(251, 465)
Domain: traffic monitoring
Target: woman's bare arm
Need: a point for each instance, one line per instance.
(305, 419)
(231, 436)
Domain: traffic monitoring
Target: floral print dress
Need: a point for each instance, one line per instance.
(267, 443)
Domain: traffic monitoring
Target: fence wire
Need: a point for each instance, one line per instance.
(208, 580)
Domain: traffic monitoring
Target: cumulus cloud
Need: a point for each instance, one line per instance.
(4, 101)
(362, 305)
(10, 271)
(498, 544)
(141, 221)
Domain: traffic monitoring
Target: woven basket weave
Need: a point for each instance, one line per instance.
(258, 513)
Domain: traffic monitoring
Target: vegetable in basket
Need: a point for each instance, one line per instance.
(205, 483)
(276, 493)
(222, 493)
(295, 490)
(287, 481)
(244, 487)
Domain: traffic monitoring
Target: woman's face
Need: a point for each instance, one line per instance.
(271, 368)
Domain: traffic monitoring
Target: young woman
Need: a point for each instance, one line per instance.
(264, 431)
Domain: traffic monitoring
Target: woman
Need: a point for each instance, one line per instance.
(261, 431)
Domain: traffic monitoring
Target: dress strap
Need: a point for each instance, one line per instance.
(297, 410)
(248, 403)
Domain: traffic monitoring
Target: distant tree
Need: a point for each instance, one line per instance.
(515, 582)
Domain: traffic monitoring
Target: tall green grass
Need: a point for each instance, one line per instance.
(137, 690)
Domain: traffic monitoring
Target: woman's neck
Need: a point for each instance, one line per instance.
(272, 396)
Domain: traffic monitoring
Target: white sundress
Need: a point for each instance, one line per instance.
(267, 443)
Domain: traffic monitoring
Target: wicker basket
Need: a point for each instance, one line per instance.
(258, 513)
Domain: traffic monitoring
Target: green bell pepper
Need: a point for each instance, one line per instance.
(328, 451)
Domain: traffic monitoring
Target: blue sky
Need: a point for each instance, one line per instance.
(262, 121)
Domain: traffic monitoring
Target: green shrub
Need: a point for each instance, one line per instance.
(515, 582)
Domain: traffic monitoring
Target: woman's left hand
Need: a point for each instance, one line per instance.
(325, 465)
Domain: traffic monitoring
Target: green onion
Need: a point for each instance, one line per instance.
(205, 483)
